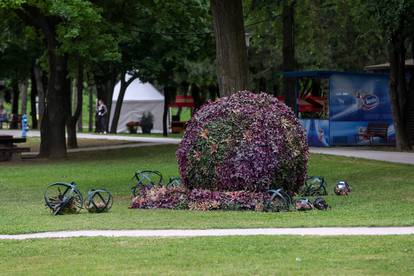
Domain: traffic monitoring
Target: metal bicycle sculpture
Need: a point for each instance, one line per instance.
(63, 198)
(315, 186)
(174, 182)
(279, 201)
(145, 178)
(98, 201)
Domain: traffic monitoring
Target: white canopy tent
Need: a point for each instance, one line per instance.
(139, 98)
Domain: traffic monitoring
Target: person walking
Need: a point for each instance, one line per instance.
(101, 111)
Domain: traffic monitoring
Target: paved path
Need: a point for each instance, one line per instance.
(320, 231)
(35, 133)
(388, 156)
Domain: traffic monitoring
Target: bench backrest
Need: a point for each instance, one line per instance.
(378, 129)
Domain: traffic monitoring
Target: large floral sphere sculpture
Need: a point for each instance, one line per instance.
(246, 141)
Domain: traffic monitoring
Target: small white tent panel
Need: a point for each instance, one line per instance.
(139, 98)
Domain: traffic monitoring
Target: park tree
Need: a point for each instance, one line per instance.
(67, 29)
(159, 46)
(231, 50)
(18, 53)
(396, 18)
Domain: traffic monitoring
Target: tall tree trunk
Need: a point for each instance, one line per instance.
(231, 50)
(73, 119)
(124, 85)
(52, 132)
(196, 94)
(288, 50)
(91, 109)
(169, 92)
(37, 72)
(53, 141)
(23, 96)
(33, 95)
(15, 105)
(398, 91)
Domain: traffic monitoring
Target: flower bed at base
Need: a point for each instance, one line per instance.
(151, 197)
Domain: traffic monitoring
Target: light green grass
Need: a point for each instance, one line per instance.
(383, 194)
(262, 255)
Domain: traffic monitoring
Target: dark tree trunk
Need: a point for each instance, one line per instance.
(33, 94)
(73, 119)
(23, 96)
(195, 93)
(169, 92)
(230, 46)
(117, 112)
(53, 142)
(40, 92)
(91, 109)
(52, 130)
(15, 105)
(398, 91)
(288, 51)
(213, 91)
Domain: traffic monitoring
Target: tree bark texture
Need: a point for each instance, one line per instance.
(288, 51)
(40, 92)
(33, 95)
(73, 119)
(399, 92)
(52, 132)
(15, 104)
(169, 92)
(124, 85)
(23, 96)
(231, 53)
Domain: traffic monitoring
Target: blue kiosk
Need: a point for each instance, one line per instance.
(343, 108)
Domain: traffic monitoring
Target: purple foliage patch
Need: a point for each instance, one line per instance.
(245, 142)
(198, 199)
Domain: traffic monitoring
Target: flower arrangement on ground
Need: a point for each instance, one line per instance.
(244, 142)
(234, 152)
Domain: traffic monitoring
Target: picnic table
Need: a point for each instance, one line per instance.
(8, 149)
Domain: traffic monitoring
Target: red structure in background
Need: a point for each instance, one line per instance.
(183, 101)
(178, 126)
(308, 103)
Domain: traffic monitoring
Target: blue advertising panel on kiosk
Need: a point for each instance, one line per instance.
(358, 105)
(358, 113)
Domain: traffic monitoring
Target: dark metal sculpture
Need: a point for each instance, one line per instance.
(279, 201)
(174, 182)
(145, 178)
(98, 201)
(63, 198)
(315, 186)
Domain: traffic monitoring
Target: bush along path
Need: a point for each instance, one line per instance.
(318, 231)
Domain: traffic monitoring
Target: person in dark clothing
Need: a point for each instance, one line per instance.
(101, 111)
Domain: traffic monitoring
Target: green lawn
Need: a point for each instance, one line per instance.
(383, 194)
(262, 255)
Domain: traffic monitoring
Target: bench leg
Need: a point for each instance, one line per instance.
(16, 156)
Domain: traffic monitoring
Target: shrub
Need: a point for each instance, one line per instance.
(147, 122)
(248, 142)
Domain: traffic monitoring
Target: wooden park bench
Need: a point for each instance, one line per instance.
(377, 129)
(8, 149)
